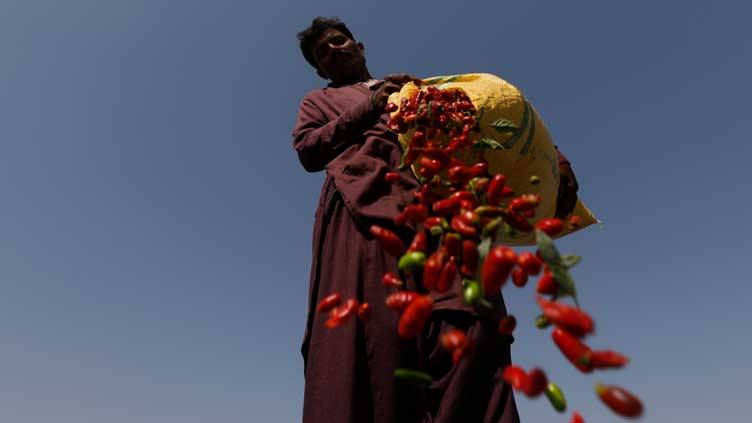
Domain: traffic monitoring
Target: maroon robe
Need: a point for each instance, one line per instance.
(349, 371)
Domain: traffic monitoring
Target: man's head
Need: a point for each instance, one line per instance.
(331, 48)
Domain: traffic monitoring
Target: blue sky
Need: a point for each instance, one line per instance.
(155, 227)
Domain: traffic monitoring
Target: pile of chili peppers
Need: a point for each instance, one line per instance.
(462, 213)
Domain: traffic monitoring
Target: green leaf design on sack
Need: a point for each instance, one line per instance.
(503, 126)
(523, 125)
(486, 142)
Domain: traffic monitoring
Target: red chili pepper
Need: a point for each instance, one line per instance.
(432, 221)
(340, 314)
(507, 192)
(364, 312)
(573, 349)
(495, 188)
(434, 166)
(436, 153)
(432, 270)
(390, 107)
(573, 319)
(537, 382)
(470, 217)
(524, 202)
(392, 177)
(329, 302)
(619, 400)
(389, 241)
(446, 207)
(414, 317)
(470, 257)
(516, 377)
(481, 184)
(417, 213)
(453, 243)
(465, 195)
(507, 324)
(448, 274)
(460, 174)
(496, 268)
(530, 263)
(575, 221)
(452, 339)
(399, 300)
(412, 154)
(391, 279)
(425, 195)
(607, 359)
(577, 418)
(461, 227)
(420, 242)
(547, 284)
(519, 277)
(551, 226)
(517, 221)
(478, 169)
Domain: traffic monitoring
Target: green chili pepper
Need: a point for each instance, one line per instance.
(412, 261)
(413, 377)
(471, 293)
(556, 396)
(541, 322)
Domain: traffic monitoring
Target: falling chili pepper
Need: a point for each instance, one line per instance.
(547, 284)
(607, 359)
(577, 418)
(575, 221)
(453, 243)
(507, 192)
(489, 211)
(537, 382)
(389, 241)
(541, 322)
(448, 274)
(432, 271)
(529, 262)
(465, 195)
(519, 277)
(496, 268)
(446, 207)
(495, 188)
(619, 400)
(329, 302)
(573, 319)
(412, 261)
(471, 293)
(556, 397)
(470, 257)
(550, 226)
(517, 221)
(461, 227)
(452, 339)
(364, 312)
(390, 107)
(516, 377)
(392, 177)
(433, 221)
(573, 349)
(400, 300)
(433, 166)
(341, 314)
(414, 317)
(420, 242)
(391, 279)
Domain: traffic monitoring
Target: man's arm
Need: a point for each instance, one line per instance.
(567, 195)
(318, 141)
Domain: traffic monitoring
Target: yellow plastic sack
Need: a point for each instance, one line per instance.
(515, 140)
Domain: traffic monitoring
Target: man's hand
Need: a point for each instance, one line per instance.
(392, 83)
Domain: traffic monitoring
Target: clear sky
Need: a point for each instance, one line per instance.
(155, 223)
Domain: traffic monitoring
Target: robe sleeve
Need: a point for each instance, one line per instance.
(318, 140)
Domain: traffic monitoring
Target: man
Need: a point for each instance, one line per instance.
(349, 371)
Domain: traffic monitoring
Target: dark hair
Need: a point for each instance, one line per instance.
(310, 35)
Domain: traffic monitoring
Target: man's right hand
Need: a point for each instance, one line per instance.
(392, 83)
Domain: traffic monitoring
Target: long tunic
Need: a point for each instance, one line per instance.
(349, 371)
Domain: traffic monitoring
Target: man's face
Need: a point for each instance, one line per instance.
(339, 57)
